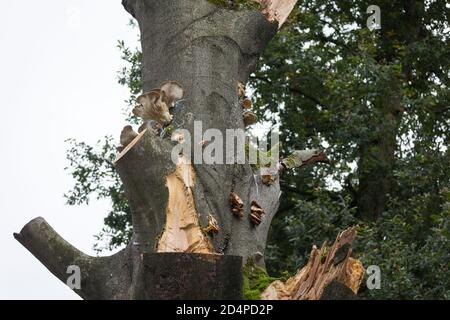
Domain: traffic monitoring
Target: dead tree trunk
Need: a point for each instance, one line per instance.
(187, 243)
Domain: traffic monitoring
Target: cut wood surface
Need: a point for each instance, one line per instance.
(131, 145)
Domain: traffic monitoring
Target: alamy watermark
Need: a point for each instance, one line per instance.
(374, 20)
(74, 280)
(236, 147)
(374, 277)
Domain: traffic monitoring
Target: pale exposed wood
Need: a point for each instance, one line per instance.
(324, 266)
(277, 10)
(182, 232)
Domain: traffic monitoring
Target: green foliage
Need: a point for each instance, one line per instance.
(130, 76)
(95, 176)
(410, 268)
(378, 102)
(92, 169)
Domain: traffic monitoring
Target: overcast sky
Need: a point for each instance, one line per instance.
(58, 80)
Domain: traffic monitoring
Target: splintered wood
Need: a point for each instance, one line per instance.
(182, 232)
(277, 10)
(324, 266)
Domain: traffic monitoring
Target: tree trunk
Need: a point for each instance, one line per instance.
(377, 156)
(194, 225)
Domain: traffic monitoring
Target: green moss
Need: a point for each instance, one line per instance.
(256, 280)
(236, 4)
(264, 159)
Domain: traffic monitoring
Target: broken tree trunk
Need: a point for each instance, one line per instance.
(187, 242)
(331, 273)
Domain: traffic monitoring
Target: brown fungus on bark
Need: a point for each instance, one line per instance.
(213, 226)
(243, 99)
(241, 90)
(155, 104)
(171, 91)
(127, 135)
(246, 103)
(256, 213)
(249, 118)
(236, 204)
(268, 179)
(152, 107)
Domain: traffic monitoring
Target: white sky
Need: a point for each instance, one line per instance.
(58, 63)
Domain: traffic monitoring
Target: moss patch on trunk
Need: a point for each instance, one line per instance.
(256, 279)
(236, 4)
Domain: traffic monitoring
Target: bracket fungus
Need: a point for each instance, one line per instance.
(256, 213)
(171, 91)
(241, 90)
(155, 104)
(213, 226)
(246, 103)
(127, 136)
(268, 179)
(249, 118)
(236, 204)
(243, 100)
